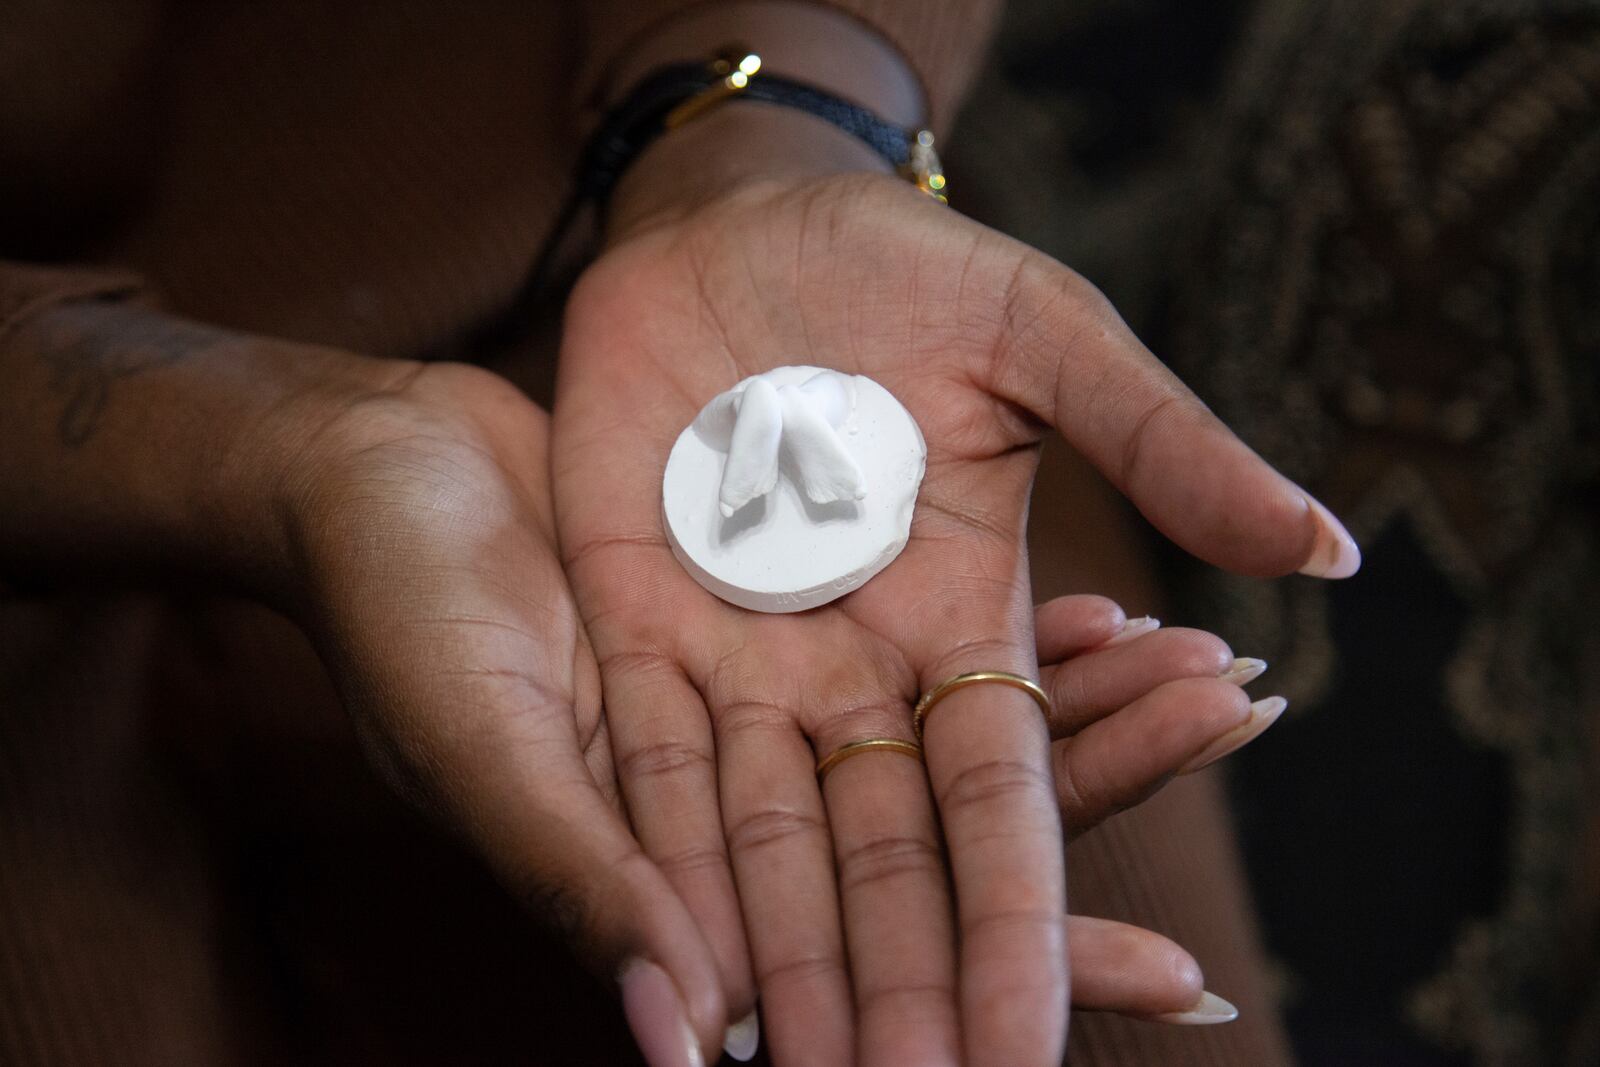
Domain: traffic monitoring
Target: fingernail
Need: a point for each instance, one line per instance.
(1335, 554)
(656, 1016)
(1131, 629)
(743, 1038)
(1244, 670)
(1209, 1010)
(1263, 713)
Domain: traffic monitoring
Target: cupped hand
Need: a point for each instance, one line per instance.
(429, 581)
(855, 925)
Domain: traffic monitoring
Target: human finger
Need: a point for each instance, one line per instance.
(1095, 684)
(1069, 358)
(1137, 972)
(1123, 968)
(894, 891)
(666, 766)
(778, 838)
(988, 762)
(1178, 728)
(1068, 625)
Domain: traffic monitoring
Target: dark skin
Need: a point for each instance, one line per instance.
(355, 492)
(84, 372)
(988, 344)
(402, 516)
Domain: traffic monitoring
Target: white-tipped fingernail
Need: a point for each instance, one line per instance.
(743, 1038)
(655, 1014)
(1209, 1010)
(1244, 670)
(1335, 553)
(1263, 713)
(1132, 628)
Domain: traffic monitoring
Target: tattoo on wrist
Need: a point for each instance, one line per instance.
(89, 347)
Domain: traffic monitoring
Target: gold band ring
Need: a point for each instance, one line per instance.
(871, 744)
(961, 681)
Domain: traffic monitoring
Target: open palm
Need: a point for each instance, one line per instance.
(886, 922)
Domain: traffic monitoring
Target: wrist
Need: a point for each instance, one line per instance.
(738, 144)
(414, 457)
(744, 141)
(248, 483)
(314, 431)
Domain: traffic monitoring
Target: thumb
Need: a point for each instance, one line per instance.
(1067, 357)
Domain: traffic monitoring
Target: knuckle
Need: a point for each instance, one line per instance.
(1079, 810)
(997, 783)
(995, 644)
(693, 858)
(800, 970)
(1023, 924)
(664, 759)
(1086, 797)
(752, 717)
(909, 999)
(848, 723)
(772, 826)
(635, 668)
(1071, 691)
(1161, 409)
(886, 859)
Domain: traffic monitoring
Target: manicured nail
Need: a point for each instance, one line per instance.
(1335, 554)
(1244, 670)
(656, 1016)
(1263, 713)
(743, 1038)
(1131, 629)
(1209, 1010)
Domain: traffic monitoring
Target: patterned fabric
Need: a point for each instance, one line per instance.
(1369, 234)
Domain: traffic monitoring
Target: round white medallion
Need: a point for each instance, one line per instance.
(822, 471)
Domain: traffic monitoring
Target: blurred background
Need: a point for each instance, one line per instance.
(1369, 235)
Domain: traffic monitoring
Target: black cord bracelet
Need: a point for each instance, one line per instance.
(675, 95)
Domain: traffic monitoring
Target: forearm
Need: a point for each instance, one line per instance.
(140, 443)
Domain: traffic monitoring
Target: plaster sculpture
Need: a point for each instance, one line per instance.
(793, 488)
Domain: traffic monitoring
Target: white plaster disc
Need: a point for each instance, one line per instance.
(781, 552)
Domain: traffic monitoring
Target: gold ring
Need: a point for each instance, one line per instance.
(961, 681)
(871, 744)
